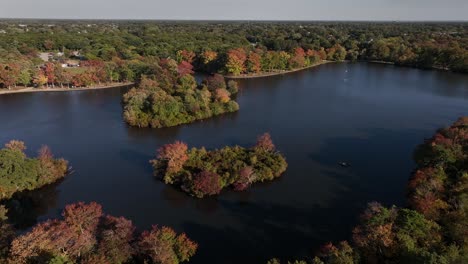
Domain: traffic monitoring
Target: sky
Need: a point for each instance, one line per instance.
(402, 10)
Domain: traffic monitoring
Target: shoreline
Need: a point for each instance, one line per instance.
(268, 74)
(38, 90)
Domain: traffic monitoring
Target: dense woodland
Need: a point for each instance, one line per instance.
(202, 173)
(434, 227)
(110, 51)
(20, 173)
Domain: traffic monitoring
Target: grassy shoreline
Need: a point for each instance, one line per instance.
(36, 90)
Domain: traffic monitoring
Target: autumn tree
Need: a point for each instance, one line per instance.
(163, 245)
(236, 61)
(49, 71)
(215, 82)
(208, 56)
(40, 79)
(206, 183)
(254, 63)
(184, 68)
(264, 142)
(185, 55)
(16, 145)
(175, 155)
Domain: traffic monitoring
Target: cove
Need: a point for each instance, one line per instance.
(371, 116)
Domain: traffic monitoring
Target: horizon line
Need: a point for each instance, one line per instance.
(232, 20)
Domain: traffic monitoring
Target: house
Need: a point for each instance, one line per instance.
(72, 63)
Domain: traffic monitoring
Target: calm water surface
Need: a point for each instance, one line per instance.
(372, 116)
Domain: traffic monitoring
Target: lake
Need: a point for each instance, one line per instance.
(369, 115)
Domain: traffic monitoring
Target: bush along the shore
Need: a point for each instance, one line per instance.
(200, 172)
(20, 173)
(171, 96)
(86, 235)
(434, 229)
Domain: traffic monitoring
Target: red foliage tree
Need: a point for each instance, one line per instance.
(184, 68)
(45, 154)
(116, 239)
(222, 95)
(245, 179)
(175, 154)
(206, 183)
(254, 63)
(83, 217)
(264, 142)
(49, 72)
(214, 82)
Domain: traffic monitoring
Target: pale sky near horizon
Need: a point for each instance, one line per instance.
(238, 9)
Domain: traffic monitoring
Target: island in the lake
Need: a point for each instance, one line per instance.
(203, 173)
(170, 96)
(20, 173)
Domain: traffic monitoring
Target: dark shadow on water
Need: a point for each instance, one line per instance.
(25, 208)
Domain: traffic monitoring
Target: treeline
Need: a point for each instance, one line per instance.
(19, 172)
(170, 96)
(219, 47)
(203, 173)
(434, 229)
(86, 235)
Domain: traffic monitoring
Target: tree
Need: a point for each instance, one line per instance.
(184, 68)
(264, 142)
(298, 60)
(175, 155)
(49, 71)
(163, 245)
(16, 145)
(9, 74)
(24, 77)
(254, 62)
(236, 61)
(214, 82)
(185, 55)
(206, 183)
(40, 79)
(116, 239)
(222, 95)
(208, 56)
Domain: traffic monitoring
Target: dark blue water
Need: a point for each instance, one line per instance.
(372, 116)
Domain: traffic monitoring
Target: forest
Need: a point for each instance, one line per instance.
(202, 173)
(97, 52)
(434, 226)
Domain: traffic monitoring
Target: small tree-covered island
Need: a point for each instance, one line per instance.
(171, 96)
(203, 173)
(19, 172)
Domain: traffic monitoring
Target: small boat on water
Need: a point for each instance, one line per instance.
(344, 164)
